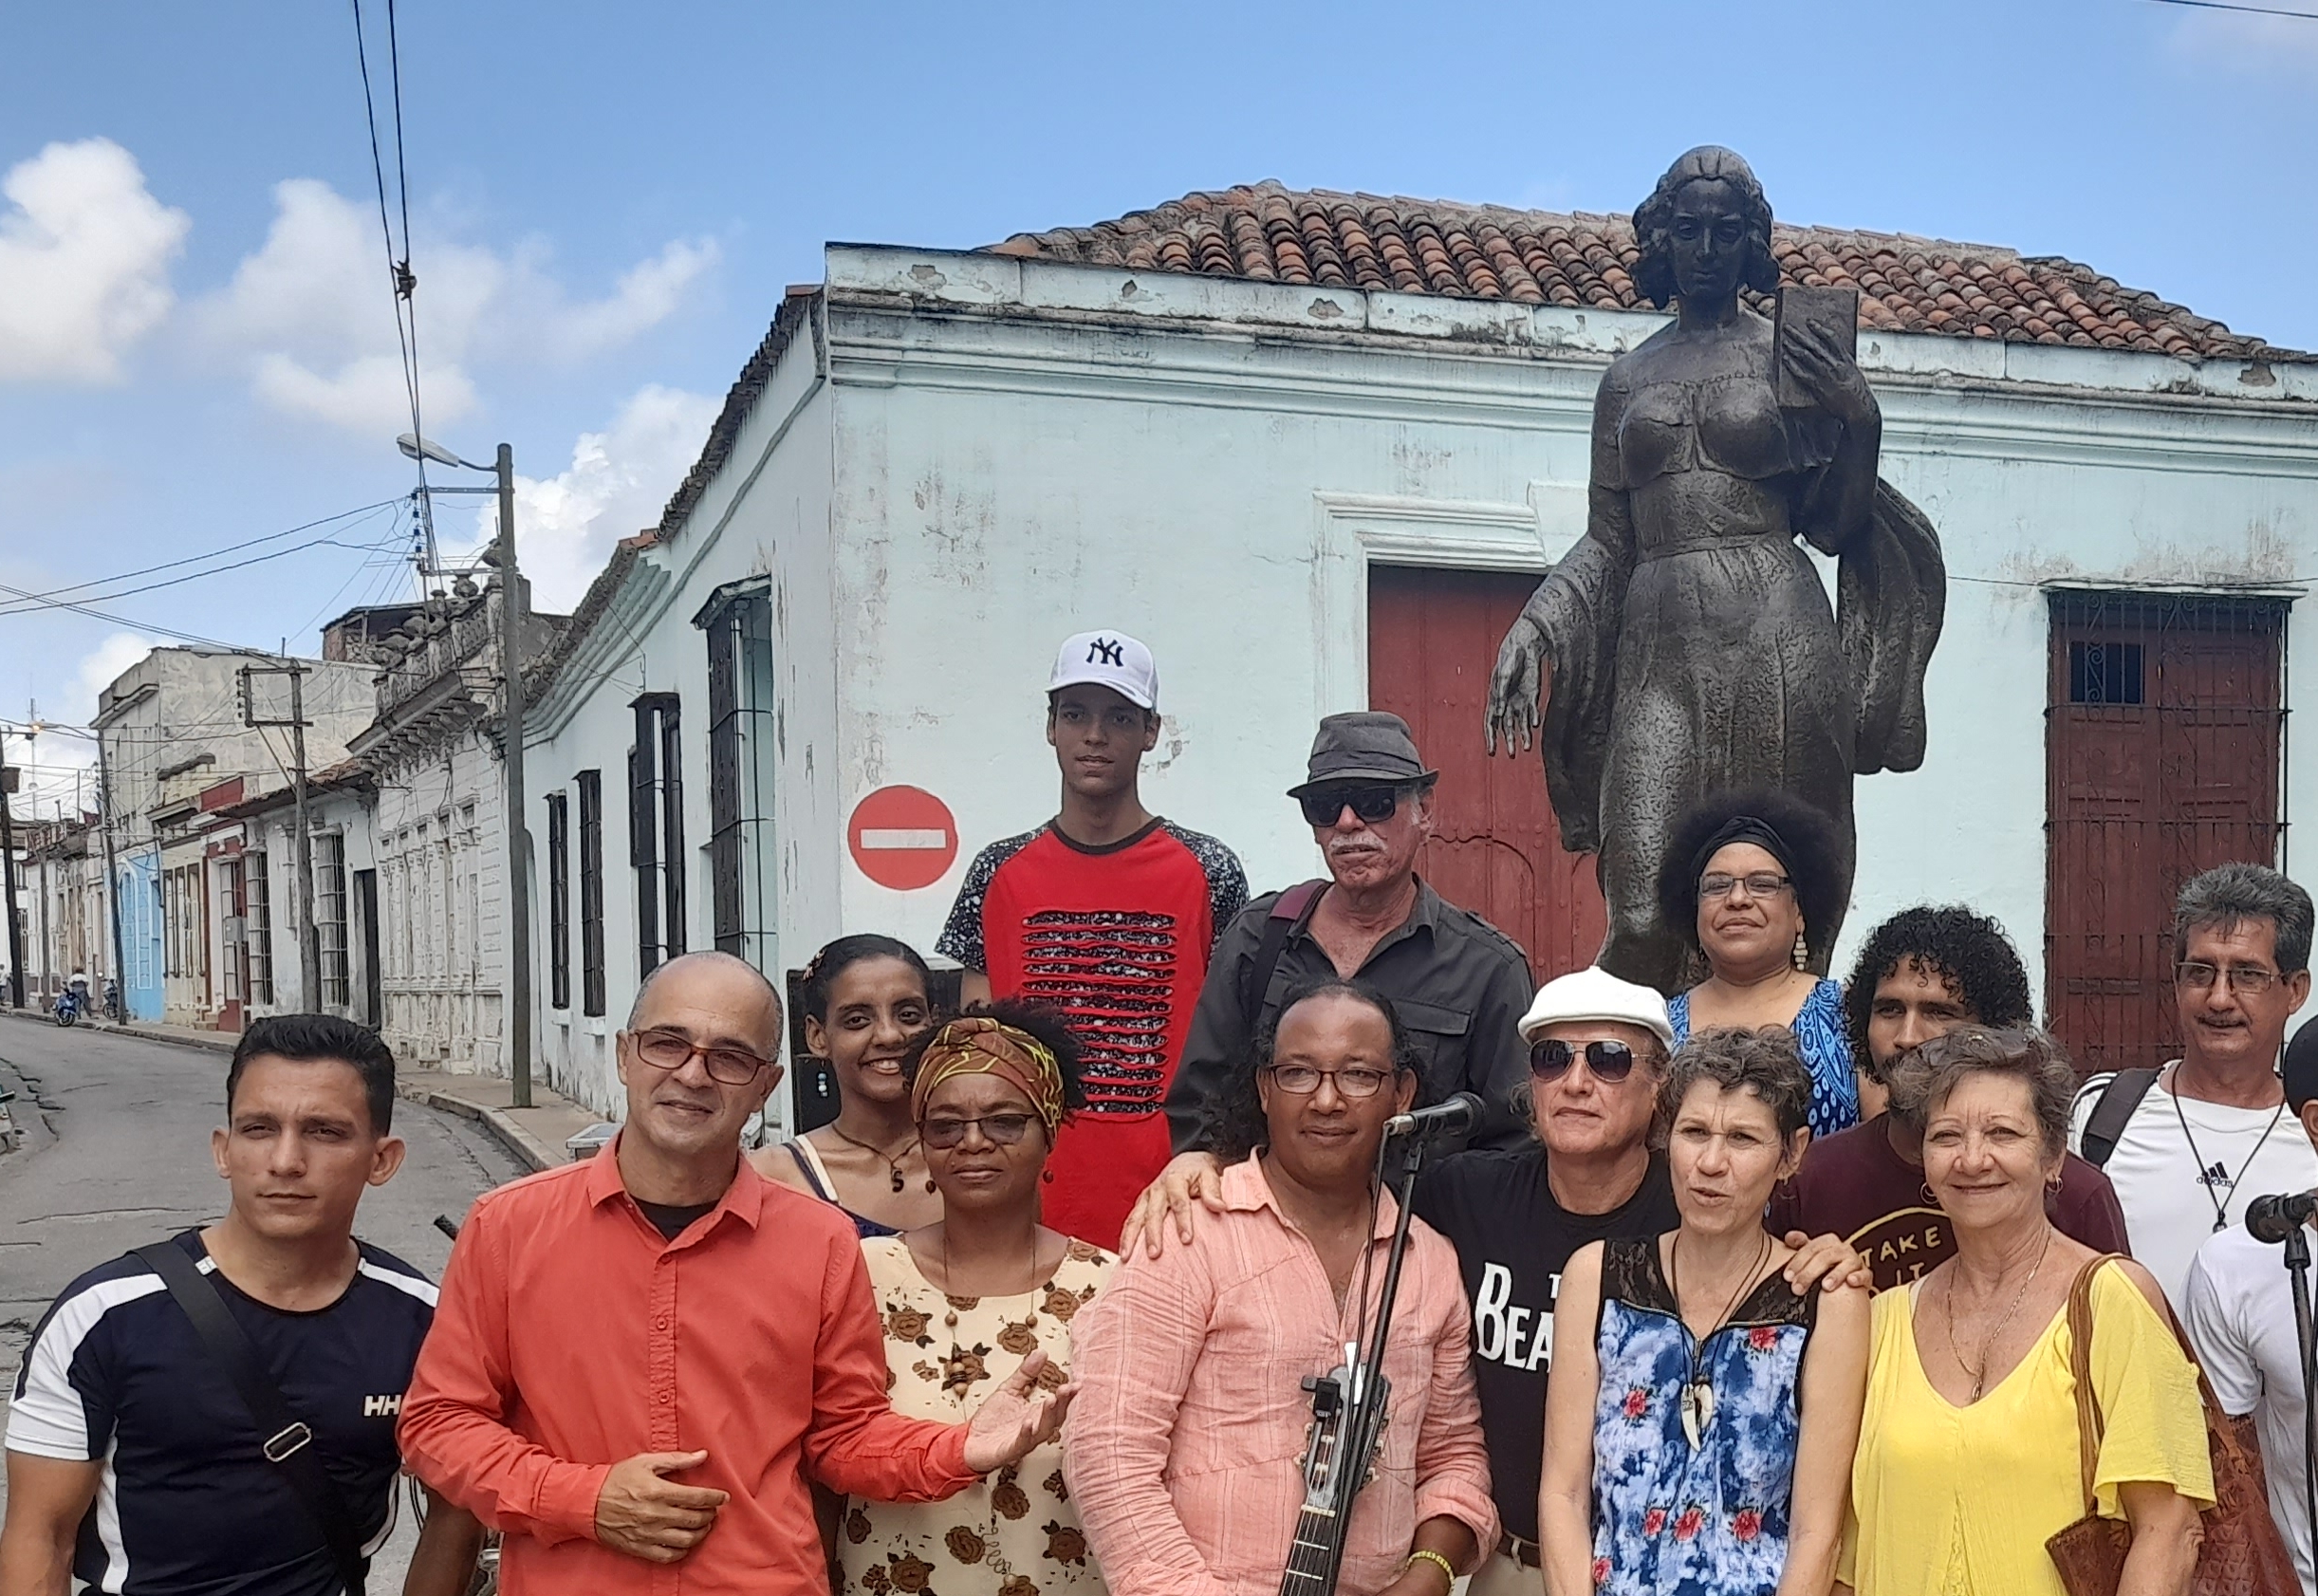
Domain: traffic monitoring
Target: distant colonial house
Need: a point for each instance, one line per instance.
(1316, 448)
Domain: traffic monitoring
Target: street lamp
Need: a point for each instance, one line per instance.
(510, 688)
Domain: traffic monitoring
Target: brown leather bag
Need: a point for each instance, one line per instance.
(2242, 1554)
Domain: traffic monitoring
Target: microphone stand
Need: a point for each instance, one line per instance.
(2298, 1267)
(1352, 1405)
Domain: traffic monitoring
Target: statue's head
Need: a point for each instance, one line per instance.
(1705, 230)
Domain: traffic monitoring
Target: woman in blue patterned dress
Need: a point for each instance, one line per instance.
(1678, 1462)
(1747, 877)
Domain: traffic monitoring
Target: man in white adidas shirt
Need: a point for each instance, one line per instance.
(2211, 1131)
(133, 1463)
(2239, 1312)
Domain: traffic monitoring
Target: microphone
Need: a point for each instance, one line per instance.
(1455, 1117)
(2274, 1219)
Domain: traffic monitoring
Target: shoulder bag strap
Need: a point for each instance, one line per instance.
(287, 1440)
(2080, 1376)
(1287, 911)
(2111, 1111)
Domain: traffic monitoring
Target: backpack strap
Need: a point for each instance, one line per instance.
(2111, 1111)
(287, 1440)
(1290, 910)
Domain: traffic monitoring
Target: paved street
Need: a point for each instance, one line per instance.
(124, 1159)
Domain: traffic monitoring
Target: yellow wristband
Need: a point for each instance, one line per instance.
(1425, 1554)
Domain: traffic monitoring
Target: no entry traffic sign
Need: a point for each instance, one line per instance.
(902, 837)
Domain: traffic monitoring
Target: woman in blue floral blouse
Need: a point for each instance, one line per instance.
(1753, 882)
(1678, 1462)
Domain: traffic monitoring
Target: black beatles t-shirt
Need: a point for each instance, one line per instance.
(1512, 1240)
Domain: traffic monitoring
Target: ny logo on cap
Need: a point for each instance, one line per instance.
(1106, 651)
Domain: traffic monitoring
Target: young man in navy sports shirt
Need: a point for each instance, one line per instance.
(1109, 914)
(133, 1462)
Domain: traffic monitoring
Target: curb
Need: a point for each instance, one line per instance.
(224, 1042)
(525, 1148)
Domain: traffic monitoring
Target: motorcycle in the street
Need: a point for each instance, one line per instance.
(72, 1003)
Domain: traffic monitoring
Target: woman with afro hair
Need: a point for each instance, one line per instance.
(1747, 877)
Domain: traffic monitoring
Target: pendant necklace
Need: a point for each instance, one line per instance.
(1988, 1342)
(2221, 1203)
(891, 1160)
(953, 1367)
(1697, 1399)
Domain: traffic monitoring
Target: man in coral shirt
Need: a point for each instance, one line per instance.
(636, 1360)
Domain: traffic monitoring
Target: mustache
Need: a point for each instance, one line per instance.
(1337, 845)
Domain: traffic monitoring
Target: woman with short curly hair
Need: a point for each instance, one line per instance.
(1752, 880)
(964, 1300)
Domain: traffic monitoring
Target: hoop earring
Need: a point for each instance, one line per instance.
(1929, 1200)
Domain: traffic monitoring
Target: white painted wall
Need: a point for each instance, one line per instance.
(1006, 452)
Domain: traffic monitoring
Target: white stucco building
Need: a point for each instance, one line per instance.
(1314, 450)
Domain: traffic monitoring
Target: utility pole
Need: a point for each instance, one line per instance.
(41, 851)
(309, 937)
(511, 701)
(7, 868)
(112, 887)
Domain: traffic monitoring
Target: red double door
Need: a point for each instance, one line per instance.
(1433, 639)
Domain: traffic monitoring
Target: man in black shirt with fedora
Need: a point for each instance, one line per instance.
(1458, 982)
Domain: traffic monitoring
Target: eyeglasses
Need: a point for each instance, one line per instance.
(2245, 980)
(1368, 801)
(1550, 1060)
(999, 1130)
(672, 1051)
(1761, 884)
(1302, 1080)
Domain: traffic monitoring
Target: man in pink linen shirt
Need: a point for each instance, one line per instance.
(1185, 1450)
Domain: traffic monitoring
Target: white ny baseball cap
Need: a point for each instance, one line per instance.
(1110, 660)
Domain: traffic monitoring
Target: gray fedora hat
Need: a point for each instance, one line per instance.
(1366, 745)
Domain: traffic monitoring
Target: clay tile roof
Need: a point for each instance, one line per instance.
(1275, 234)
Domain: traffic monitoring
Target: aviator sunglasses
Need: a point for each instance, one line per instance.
(1550, 1060)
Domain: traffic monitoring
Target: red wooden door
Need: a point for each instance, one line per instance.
(2162, 749)
(1432, 638)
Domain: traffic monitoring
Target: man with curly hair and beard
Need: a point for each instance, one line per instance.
(1921, 974)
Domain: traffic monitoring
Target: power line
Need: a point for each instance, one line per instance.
(403, 281)
(2226, 6)
(229, 548)
(45, 601)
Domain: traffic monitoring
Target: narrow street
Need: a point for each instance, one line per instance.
(123, 1157)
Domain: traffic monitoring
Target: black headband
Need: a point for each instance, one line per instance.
(1743, 829)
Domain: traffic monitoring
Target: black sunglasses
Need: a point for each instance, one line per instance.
(1368, 801)
(1550, 1060)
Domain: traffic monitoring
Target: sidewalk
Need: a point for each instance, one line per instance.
(535, 1135)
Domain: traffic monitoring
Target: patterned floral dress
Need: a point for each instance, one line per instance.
(1823, 1040)
(1015, 1533)
(1672, 1518)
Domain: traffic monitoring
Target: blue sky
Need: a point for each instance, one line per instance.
(608, 199)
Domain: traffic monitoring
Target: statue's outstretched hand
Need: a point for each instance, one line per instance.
(1515, 686)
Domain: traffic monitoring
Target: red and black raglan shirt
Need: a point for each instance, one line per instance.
(1118, 938)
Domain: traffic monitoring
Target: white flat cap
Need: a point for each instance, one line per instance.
(1593, 993)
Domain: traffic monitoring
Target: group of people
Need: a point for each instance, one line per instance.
(1037, 1309)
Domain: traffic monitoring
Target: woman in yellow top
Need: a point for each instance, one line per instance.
(1968, 1457)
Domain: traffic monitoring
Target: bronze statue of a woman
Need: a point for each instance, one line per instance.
(1686, 641)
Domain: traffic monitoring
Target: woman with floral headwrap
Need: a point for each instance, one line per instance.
(966, 1299)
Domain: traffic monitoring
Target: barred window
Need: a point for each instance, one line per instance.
(258, 926)
(656, 831)
(330, 916)
(591, 892)
(559, 902)
(739, 621)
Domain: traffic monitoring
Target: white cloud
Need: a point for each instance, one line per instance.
(310, 312)
(100, 667)
(85, 253)
(618, 483)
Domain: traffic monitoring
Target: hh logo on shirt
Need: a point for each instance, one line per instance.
(382, 1407)
(1520, 1338)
